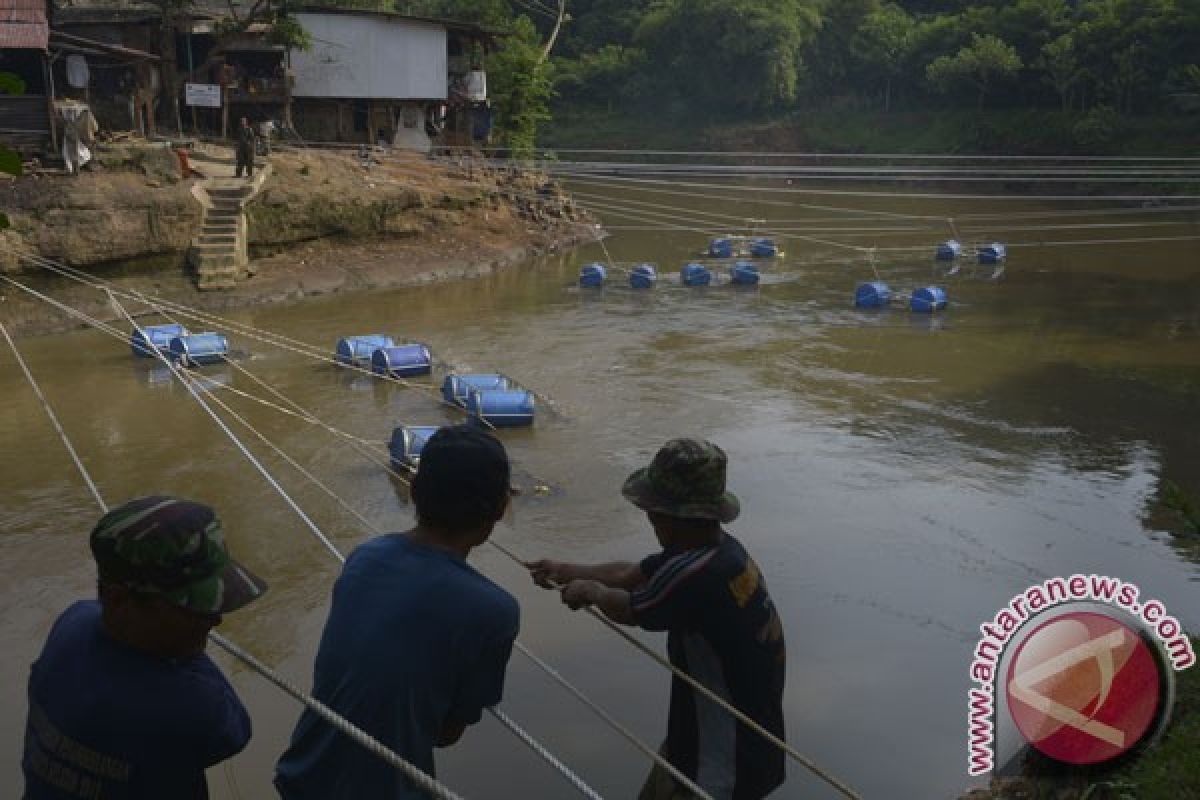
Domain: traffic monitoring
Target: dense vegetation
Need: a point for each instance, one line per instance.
(719, 60)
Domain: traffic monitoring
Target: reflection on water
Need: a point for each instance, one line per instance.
(902, 476)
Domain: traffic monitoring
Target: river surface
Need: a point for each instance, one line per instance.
(901, 475)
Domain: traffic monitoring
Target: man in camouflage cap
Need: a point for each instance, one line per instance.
(722, 628)
(123, 702)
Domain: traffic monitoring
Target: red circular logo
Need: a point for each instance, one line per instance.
(1084, 688)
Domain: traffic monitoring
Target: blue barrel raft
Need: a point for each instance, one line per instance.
(592, 276)
(643, 276)
(928, 299)
(949, 250)
(359, 349)
(875, 294)
(764, 248)
(199, 348)
(407, 443)
(695, 275)
(744, 273)
(158, 337)
(457, 388)
(992, 253)
(403, 361)
(502, 408)
(720, 248)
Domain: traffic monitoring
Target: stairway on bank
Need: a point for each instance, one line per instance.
(219, 254)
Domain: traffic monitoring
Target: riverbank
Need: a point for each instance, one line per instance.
(323, 222)
(923, 132)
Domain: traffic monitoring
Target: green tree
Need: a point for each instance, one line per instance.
(1061, 66)
(521, 88)
(981, 64)
(883, 44)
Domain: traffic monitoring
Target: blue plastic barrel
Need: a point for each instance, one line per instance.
(695, 275)
(592, 276)
(928, 299)
(643, 276)
(358, 349)
(744, 273)
(200, 348)
(721, 248)
(403, 361)
(407, 443)
(992, 253)
(159, 337)
(876, 294)
(456, 388)
(764, 248)
(503, 408)
(949, 250)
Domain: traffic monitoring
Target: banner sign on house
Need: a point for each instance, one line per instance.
(206, 95)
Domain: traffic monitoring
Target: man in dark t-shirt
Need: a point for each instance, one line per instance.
(722, 628)
(123, 702)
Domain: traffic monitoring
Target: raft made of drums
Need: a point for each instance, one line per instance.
(948, 250)
(875, 294)
(744, 273)
(992, 253)
(695, 275)
(147, 339)
(592, 276)
(199, 348)
(406, 445)
(492, 398)
(643, 276)
(359, 349)
(402, 361)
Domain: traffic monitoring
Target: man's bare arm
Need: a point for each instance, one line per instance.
(615, 575)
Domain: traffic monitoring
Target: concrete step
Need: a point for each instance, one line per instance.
(213, 249)
(209, 261)
(220, 226)
(217, 238)
(224, 212)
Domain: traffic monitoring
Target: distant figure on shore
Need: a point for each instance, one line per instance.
(245, 149)
(417, 642)
(123, 702)
(708, 594)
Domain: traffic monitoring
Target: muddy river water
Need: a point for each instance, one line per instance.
(901, 476)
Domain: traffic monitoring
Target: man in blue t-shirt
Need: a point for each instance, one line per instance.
(417, 641)
(123, 702)
(708, 594)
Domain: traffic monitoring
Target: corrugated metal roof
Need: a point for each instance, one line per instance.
(23, 24)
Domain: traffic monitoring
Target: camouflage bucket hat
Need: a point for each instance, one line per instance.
(173, 548)
(686, 479)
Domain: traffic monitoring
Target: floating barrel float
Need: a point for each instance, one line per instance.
(875, 294)
(502, 408)
(992, 253)
(592, 276)
(949, 250)
(456, 388)
(721, 248)
(199, 348)
(402, 361)
(359, 349)
(763, 248)
(744, 273)
(407, 443)
(928, 299)
(695, 275)
(149, 338)
(643, 276)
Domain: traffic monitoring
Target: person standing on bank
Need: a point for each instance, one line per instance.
(723, 630)
(417, 642)
(245, 149)
(123, 702)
